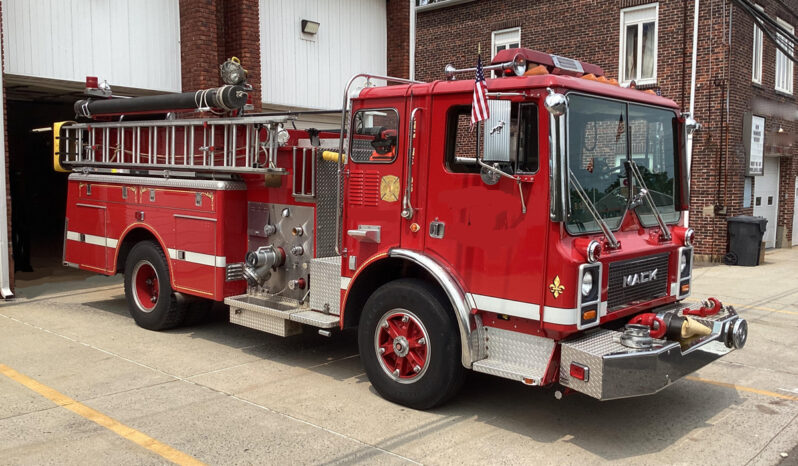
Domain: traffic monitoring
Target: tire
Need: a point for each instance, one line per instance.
(151, 301)
(411, 372)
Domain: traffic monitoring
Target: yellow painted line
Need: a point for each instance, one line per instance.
(745, 306)
(139, 438)
(743, 389)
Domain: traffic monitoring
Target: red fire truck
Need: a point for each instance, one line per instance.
(545, 244)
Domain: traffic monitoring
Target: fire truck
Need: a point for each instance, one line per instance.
(545, 244)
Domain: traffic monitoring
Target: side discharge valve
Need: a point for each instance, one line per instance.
(260, 262)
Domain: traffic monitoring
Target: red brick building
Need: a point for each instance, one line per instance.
(657, 40)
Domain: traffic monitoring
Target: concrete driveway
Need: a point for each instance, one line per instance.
(81, 383)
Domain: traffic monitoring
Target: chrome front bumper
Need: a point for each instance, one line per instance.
(616, 371)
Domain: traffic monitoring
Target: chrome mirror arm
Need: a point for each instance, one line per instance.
(505, 175)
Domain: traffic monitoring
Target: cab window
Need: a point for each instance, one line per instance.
(375, 136)
(463, 143)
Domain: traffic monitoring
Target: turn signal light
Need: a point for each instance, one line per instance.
(587, 316)
(578, 371)
(685, 288)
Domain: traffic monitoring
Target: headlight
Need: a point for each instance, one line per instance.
(587, 284)
(683, 266)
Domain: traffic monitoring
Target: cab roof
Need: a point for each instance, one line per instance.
(562, 83)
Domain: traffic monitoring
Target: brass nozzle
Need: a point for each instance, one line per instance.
(692, 327)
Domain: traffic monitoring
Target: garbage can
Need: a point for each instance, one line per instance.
(745, 237)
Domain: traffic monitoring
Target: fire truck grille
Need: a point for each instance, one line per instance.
(637, 281)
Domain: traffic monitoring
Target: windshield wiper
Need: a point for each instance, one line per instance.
(614, 244)
(644, 192)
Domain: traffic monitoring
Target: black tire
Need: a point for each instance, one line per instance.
(429, 315)
(151, 301)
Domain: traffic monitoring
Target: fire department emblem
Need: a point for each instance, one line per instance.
(555, 287)
(389, 188)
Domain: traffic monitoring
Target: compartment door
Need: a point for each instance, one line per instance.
(194, 260)
(86, 240)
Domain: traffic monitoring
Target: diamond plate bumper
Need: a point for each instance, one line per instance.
(616, 371)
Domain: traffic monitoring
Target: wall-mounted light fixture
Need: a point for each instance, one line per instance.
(781, 130)
(310, 27)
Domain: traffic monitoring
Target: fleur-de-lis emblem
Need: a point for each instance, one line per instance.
(555, 288)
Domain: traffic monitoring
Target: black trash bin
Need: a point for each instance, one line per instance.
(745, 238)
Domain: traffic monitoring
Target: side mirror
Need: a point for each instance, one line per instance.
(497, 132)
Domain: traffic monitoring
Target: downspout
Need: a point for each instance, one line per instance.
(5, 266)
(412, 44)
(692, 99)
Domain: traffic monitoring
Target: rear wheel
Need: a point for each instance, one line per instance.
(151, 301)
(410, 345)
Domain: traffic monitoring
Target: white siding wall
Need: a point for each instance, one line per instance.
(131, 43)
(298, 72)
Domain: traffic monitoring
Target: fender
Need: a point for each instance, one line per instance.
(454, 292)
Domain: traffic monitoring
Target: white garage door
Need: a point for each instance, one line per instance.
(766, 198)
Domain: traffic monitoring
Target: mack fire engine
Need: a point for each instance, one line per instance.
(545, 244)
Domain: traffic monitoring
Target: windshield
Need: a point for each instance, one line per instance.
(600, 133)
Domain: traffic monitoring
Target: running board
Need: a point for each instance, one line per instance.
(515, 356)
(275, 315)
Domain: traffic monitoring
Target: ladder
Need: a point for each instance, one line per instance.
(220, 145)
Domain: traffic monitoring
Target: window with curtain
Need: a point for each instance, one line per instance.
(638, 51)
(756, 73)
(784, 66)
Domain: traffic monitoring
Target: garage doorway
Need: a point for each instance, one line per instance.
(38, 193)
(766, 198)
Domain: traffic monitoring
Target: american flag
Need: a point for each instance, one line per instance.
(479, 107)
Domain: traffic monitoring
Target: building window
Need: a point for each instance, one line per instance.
(756, 74)
(638, 52)
(784, 66)
(504, 39)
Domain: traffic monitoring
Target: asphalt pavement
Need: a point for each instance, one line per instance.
(80, 383)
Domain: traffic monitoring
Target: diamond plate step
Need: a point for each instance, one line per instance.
(515, 356)
(274, 315)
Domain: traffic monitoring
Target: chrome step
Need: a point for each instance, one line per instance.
(514, 355)
(278, 316)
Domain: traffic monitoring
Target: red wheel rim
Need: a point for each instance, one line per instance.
(402, 345)
(145, 286)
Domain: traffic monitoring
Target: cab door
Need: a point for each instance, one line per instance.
(478, 225)
(374, 182)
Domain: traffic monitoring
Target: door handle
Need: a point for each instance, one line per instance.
(365, 234)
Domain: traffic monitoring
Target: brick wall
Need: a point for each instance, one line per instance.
(212, 31)
(398, 19)
(589, 30)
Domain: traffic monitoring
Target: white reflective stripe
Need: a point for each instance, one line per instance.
(199, 258)
(345, 282)
(93, 239)
(470, 300)
(507, 306)
(559, 315)
(96, 240)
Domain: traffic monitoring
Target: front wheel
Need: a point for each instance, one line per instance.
(410, 345)
(151, 301)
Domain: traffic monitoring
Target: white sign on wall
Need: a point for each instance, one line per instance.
(757, 148)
